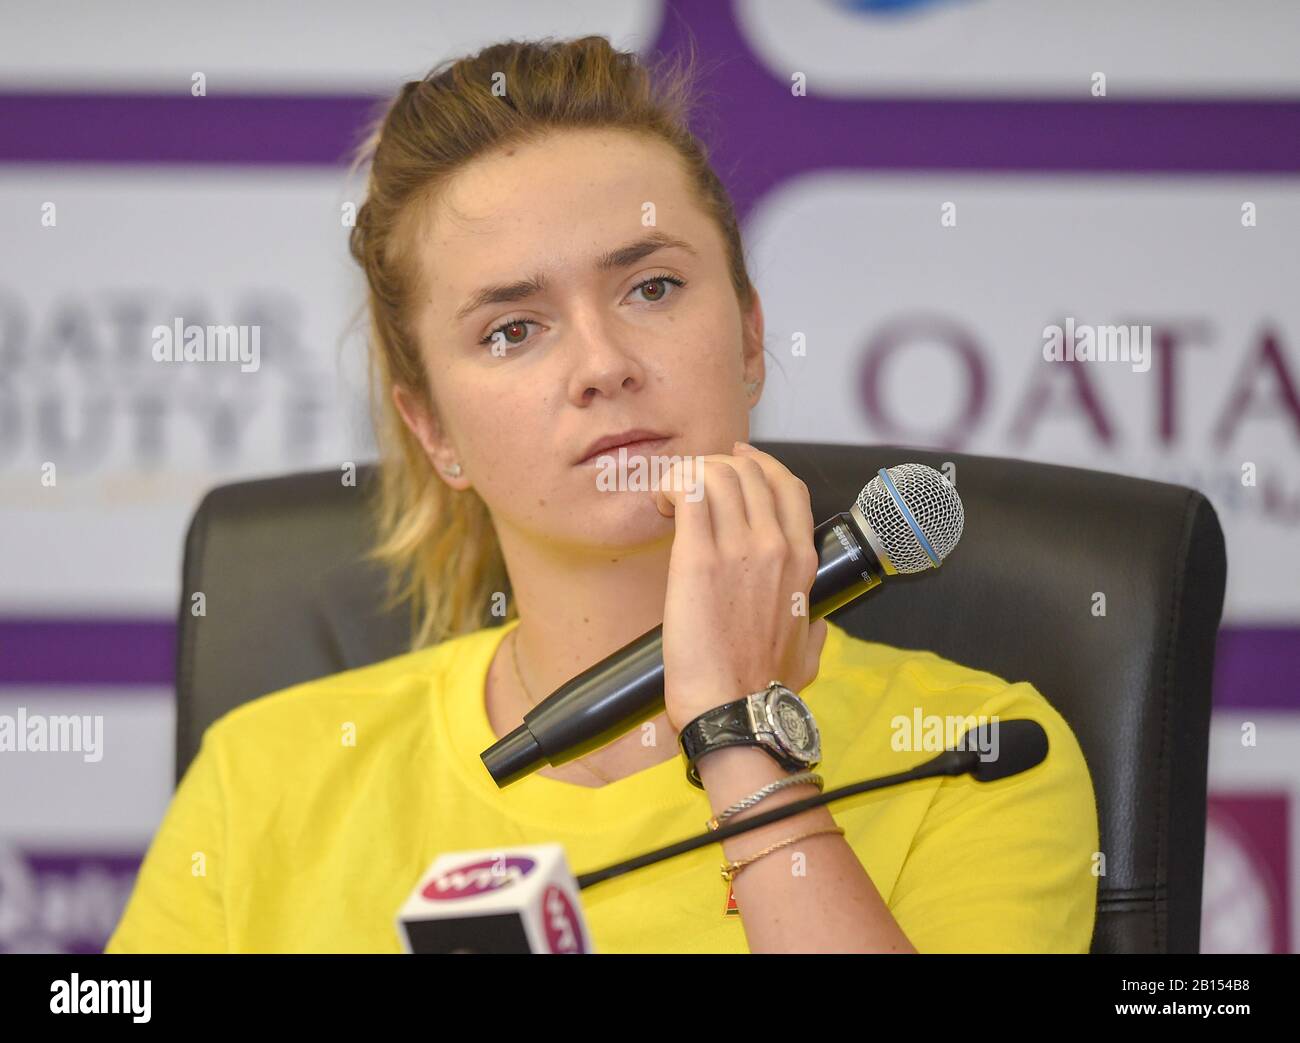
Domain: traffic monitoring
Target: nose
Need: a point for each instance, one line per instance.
(602, 366)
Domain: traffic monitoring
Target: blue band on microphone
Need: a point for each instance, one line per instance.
(907, 517)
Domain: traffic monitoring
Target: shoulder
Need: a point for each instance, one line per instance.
(846, 653)
(897, 682)
(894, 708)
(385, 695)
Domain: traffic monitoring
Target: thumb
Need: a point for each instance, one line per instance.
(670, 487)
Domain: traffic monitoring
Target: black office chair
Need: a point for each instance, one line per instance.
(279, 563)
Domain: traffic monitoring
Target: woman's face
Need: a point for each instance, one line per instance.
(526, 375)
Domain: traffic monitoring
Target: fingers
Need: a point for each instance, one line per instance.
(694, 526)
(723, 492)
(748, 495)
(793, 508)
(724, 489)
(758, 505)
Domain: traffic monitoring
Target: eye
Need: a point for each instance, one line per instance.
(503, 332)
(520, 326)
(653, 280)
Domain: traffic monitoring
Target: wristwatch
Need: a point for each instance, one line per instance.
(774, 719)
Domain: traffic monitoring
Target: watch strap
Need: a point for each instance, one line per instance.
(724, 726)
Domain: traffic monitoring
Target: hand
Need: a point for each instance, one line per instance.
(740, 554)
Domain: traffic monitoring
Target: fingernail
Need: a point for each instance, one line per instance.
(742, 445)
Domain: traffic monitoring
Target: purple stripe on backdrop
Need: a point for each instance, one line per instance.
(1256, 668)
(1253, 136)
(67, 651)
(248, 130)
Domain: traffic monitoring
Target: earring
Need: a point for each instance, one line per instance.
(752, 386)
(453, 471)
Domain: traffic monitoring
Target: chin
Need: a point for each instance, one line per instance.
(627, 519)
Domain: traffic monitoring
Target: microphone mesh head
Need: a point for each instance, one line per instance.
(934, 506)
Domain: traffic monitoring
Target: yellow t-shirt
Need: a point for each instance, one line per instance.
(285, 835)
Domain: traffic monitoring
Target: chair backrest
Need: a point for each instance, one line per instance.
(288, 599)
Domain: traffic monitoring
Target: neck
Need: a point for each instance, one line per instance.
(576, 609)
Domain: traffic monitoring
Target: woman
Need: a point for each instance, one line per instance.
(551, 260)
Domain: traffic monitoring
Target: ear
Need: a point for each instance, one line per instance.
(420, 421)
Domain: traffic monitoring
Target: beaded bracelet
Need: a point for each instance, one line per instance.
(730, 869)
(766, 791)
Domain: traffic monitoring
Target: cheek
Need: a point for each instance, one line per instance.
(703, 344)
(705, 364)
(514, 439)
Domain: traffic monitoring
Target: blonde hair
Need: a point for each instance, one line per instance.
(439, 545)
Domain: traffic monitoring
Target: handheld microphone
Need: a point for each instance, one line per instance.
(907, 519)
(525, 899)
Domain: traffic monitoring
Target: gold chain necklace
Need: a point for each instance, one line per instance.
(514, 655)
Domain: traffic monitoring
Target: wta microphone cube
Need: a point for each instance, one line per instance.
(495, 900)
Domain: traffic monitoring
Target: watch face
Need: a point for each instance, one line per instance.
(794, 724)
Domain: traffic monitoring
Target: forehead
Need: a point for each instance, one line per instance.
(556, 203)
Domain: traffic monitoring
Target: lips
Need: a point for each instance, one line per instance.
(637, 440)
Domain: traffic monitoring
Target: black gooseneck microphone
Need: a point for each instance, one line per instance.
(1021, 742)
(524, 899)
(907, 519)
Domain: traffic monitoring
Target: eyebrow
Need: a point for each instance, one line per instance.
(623, 257)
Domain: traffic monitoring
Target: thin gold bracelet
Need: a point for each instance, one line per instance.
(730, 869)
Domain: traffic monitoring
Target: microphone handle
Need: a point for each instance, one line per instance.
(611, 697)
